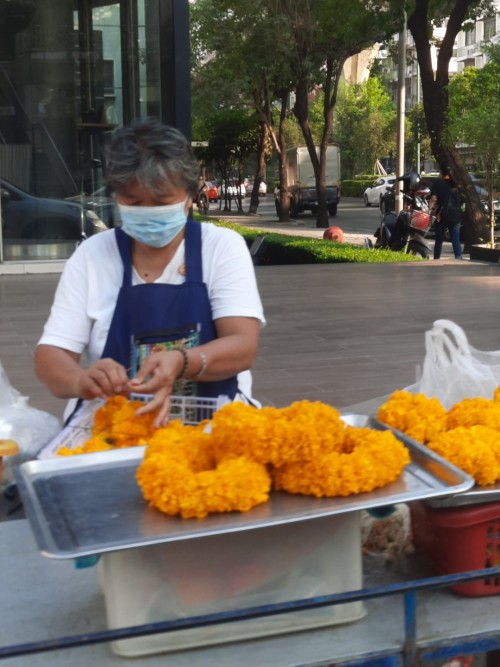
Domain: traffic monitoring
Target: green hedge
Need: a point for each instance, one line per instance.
(355, 188)
(287, 249)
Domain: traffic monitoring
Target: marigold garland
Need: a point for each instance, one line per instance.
(116, 425)
(468, 436)
(193, 471)
(366, 460)
(301, 431)
(179, 475)
(305, 448)
(420, 417)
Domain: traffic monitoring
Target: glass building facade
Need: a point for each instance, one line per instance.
(71, 71)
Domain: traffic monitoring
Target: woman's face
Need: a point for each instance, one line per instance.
(138, 194)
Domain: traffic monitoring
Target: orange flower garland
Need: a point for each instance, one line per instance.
(367, 459)
(180, 476)
(193, 471)
(420, 417)
(299, 432)
(468, 435)
(305, 448)
(116, 425)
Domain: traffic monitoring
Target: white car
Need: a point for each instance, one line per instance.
(233, 190)
(378, 188)
(262, 188)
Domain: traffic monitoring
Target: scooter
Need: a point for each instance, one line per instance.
(406, 232)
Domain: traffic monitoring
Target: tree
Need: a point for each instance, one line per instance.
(325, 33)
(232, 137)
(458, 14)
(364, 126)
(474, 118)
(242, 42)
(285, 46)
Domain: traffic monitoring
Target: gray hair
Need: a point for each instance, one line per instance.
(155, 155)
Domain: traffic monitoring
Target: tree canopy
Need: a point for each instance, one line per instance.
(473, 118)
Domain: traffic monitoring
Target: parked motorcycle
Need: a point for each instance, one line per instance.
(407, 231)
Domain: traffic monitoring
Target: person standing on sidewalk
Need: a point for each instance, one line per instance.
(445, 204)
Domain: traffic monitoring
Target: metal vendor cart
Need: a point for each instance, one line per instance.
(85, 506)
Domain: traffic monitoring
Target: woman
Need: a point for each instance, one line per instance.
(162, 305)
(445, 204)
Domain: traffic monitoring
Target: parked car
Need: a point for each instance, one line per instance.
(232, 190)
(377, 189)
(212, 191)
(102, 203)
(249, 188)
(25, 216)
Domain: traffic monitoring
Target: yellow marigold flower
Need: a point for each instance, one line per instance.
(96, 443)
(474, 412)
(416, 415)
(277, 435)
(368, 459)
(182, 479)
(116, 424)
(474, 449)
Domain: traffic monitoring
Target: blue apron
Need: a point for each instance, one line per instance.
(144, 311)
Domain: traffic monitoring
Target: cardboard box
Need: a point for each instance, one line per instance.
(232, 571)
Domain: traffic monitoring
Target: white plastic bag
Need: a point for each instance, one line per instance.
(29, 427)
(453, 369)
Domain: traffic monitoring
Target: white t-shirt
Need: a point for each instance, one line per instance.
(85, 298)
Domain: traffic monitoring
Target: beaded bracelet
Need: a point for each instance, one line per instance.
(185, 363)
(204, 363)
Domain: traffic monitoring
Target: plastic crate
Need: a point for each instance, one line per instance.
(231, 571)
(189, 409)
(460, 540)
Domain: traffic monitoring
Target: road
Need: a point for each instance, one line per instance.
(353, 217)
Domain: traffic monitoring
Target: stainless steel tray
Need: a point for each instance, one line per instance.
(473, 496)
(88, 504)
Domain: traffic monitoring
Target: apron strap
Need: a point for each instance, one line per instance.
(124, 243)
(194, 269)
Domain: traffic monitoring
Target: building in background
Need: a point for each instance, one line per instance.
(71, 71)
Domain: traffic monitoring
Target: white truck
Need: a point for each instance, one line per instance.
(302, 184)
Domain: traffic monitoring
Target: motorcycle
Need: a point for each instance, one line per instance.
(407, 231)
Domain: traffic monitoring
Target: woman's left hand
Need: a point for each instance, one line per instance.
(157, 376)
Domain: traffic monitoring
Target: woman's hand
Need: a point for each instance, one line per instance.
(61, 372)
(157, 376)
(103, 379)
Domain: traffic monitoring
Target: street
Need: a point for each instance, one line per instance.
(353, 217)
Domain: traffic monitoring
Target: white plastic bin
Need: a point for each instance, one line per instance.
(233, 571)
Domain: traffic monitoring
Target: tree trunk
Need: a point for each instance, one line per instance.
(435, 101)
(302, 114)
(261, 163)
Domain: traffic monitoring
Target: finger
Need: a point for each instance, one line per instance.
(110, 376)
(161, 403)
(90, 389)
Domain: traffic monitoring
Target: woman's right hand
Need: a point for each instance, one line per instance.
(103, 379)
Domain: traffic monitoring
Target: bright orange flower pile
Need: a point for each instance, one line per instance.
(305, 448)
(467, 435)
(116, 425)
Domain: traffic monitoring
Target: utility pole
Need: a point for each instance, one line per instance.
(400, 149)
(418, 128)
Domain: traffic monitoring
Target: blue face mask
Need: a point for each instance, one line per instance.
(155, 226)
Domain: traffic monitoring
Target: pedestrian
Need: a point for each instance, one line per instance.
(445, 205)
(163, 304)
